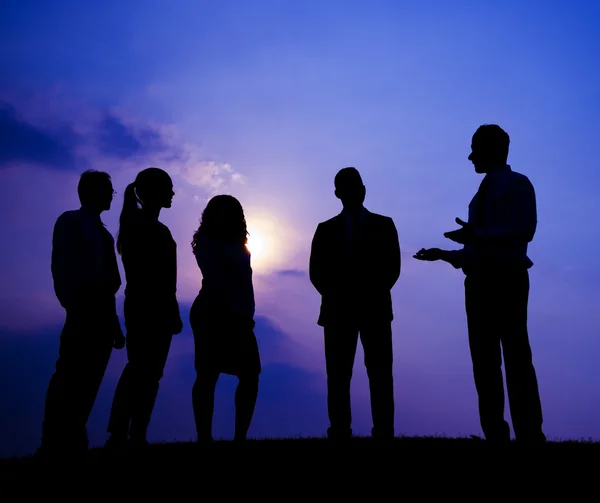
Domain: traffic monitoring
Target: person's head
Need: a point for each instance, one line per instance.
(95, 190)
(152, 190)
(223, 218)
(489, 148)
(349, 188)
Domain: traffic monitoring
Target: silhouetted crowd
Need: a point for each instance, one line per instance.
(355, 261)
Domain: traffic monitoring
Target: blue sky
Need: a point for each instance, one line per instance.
(267, 100)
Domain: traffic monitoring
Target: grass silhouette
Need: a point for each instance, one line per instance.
(427, 464)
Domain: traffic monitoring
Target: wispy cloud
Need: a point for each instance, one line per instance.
(209, 175)
(107, 139)
(21, 141)
(117, 139)
(293, 273)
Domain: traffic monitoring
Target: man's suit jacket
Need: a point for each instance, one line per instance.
(355, 283)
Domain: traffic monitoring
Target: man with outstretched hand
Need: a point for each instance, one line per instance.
(502, 221)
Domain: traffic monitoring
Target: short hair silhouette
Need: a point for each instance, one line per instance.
(494, 140)
(223, 218)
(91, 182)
(347, 177)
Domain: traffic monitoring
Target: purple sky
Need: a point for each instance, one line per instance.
(267, 100)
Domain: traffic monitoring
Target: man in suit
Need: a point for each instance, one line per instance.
(86, 280)
(354, 263)
(502, 221)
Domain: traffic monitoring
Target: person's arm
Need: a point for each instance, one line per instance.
(517, 214)
(247, 294)
(393, 256)
(62, 261)
(317, 268)
(113, 276)
(175, 313)
(453, 257)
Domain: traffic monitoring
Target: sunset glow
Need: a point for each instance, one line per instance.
(256, 244)
(266, 101)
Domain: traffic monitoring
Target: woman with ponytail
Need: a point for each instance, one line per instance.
(151, 311)
(222, 316)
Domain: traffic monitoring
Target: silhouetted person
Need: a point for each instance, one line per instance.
(152, 317)
(222, 316)
(354, 263)
(86, 279)
(502, 221)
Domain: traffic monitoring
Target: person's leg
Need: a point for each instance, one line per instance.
(250, 367)
(207, 365)
(121, 410)
(63, 428)
(203, 402)
(486, 355)
(93, 367)
(55, 411)
(148, 372)
(340, 351)
(245, 402)
(521, 379)
(377, 346)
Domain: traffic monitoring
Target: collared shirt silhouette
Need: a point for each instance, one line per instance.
(354, 263)
(504, 218)
(222, 316)
(502, 222)
(86, 278)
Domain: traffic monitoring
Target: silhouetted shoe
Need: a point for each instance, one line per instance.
(117, 442)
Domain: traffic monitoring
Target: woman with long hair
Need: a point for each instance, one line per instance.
(222, 316)
(149, 256)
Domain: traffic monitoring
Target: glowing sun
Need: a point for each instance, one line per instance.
(256, 243)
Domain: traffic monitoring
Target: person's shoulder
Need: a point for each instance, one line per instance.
(165, 233)
(163, 228)
(205, 243)
(380, 219)
(330, 221)
(69, 215)
(68, 218)
(108, 233)
(153, 228)
(520, 179)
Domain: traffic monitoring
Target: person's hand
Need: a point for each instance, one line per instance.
(430, 255)
(462, 235)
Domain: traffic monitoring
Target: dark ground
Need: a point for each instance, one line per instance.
(406, 469)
